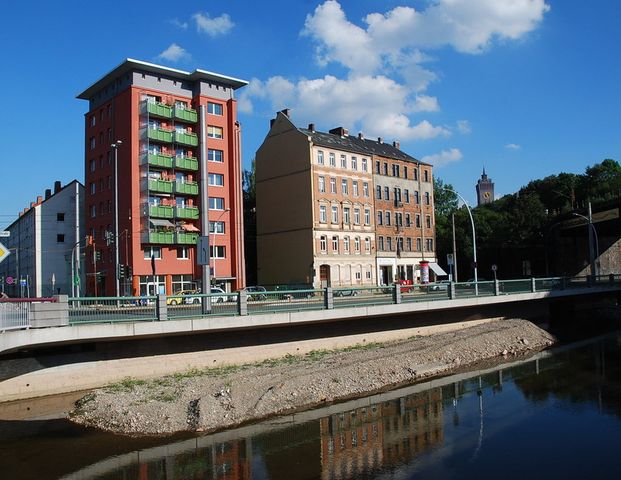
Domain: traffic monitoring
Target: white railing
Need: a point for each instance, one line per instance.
(14, 314)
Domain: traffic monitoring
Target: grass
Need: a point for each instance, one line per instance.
(126, 385)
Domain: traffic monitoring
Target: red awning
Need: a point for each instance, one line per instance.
(189, 227)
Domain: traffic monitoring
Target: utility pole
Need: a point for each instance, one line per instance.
(454, 250)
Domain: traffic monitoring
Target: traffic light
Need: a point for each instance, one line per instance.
(122, 271)
(97, 255)
(128, 271)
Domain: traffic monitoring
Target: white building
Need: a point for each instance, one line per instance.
(41, 242)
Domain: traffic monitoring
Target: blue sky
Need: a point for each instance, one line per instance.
(526, 88)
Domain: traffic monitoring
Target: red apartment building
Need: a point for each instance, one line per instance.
(177, 142)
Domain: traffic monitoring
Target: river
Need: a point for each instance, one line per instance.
(555, 415)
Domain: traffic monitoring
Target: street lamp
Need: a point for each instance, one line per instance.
(592, 260)
(116, 146)
(474, 239)
(213, 243)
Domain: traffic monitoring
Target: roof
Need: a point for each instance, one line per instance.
(130, 64)
(358, 144)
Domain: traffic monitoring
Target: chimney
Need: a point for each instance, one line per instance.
(48, 193)
(379, 139)
(32, 204)
(311, 127)
(285, 112)
(360, 135)
(57, 186)
(396, 144)
(39, 200)
(340, 131)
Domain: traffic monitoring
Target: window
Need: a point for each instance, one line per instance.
(408, 243)
(357, 244)
(365, 189)
(93, 188)
(216, 227)
(368, 278)
(429, 244)
(216, 179)
(416, 197)
(354, 188)
(365, 165)
(93, 211)
(386, 193)
(109, 134)
(346, 244)
(367, 244)
(343, 161)
(378, 167)
(418, 244)
(358, 276)
(427, 199)
(415, 172)
(380, 243)
(378, 193)
(335, 244)
(408, 220)
(428, 221)
(214, 108)
(332, 159)
(60, 217)
(426, 177)
(335, 214)
(385, 168)
(389, 244)
(417, 219)
(214, 132)
(346, 219)
(323, 243)
(60, 238)
(109, 206)
(356, 216)
(380, 217)
(367, 216)
(321, 184)
(216, 203)
(182, 253)
(354, 163)
(405, 171)
(319, 157)
(399, 244)
(93, 121)
(155, 252)
(109, 181)
(344, 186)
(92, 143)
(332, 185)
(217, 251)
(397, 194)
(93, 165)
(395, 170)
(388, 219)
(215, 155)
(322, 214)
(406, 195)
(398, 219)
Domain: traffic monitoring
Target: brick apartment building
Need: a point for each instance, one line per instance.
(176, 135)
(318, 218)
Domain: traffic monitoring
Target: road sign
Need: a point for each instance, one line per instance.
(5, 233)
(494, 268)
(9, 280)
(22, 282)
(202, 250)
(4, 252)
(449, 259)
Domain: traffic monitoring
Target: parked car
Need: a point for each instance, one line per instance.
(218, 295)
(256, 292)
(346, 292)
(180, 297)
(440, 285)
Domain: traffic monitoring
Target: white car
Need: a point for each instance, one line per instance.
(440, 285)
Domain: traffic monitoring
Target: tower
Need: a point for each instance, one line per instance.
(485, 189)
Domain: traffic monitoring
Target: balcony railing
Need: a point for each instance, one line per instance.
(186, 163)
(186, 188)
(191, 213)
(186, 115)
(160, 160)
(159, 110)
(160, 237)
(161, 211)
(186, 138)
(160, 135)
(163, 186)
(186, 238)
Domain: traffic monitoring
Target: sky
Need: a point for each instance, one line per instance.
(522, 88)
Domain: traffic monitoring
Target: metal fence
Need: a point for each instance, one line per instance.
(14, 313)
(111, 309)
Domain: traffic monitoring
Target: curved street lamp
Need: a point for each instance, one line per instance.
(116, 146)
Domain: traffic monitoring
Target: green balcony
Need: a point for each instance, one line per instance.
(160, 135)
(186, 163)
(159, 110)
(186, 188)
(189, 139)
(163, 186)
(186, 238)
(160, 160)
(161, 211)
(190, 213)
(186, 115)
(161, 237)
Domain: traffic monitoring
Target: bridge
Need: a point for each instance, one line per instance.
(63, 344)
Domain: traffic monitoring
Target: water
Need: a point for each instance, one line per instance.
(553, 416)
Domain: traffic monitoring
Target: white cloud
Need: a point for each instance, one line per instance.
(513, 146)
(444, 157)
(179, 24)
(174, 53)
(213, 26)
(463, 126)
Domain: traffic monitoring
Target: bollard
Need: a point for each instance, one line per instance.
(328, 298)
(242, 302)
(533, 285)
(451, 290)
(496, 287)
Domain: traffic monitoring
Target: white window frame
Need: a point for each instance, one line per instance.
(213, 131)
(214, 178)
(323, 216)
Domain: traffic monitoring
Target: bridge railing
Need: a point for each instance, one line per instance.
(60, 311)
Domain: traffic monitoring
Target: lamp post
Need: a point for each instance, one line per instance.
(592, 233)
(213, 243)
(116, 146)
(474, 239)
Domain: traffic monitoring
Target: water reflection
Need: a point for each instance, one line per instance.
(463, 426)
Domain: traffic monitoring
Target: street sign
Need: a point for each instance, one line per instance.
(449, 259)
(202, 250)
(494, 268)
(9, 280)
(4, 252)
(5, 233)
(22, 282)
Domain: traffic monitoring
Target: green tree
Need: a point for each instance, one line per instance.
(250, 223)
